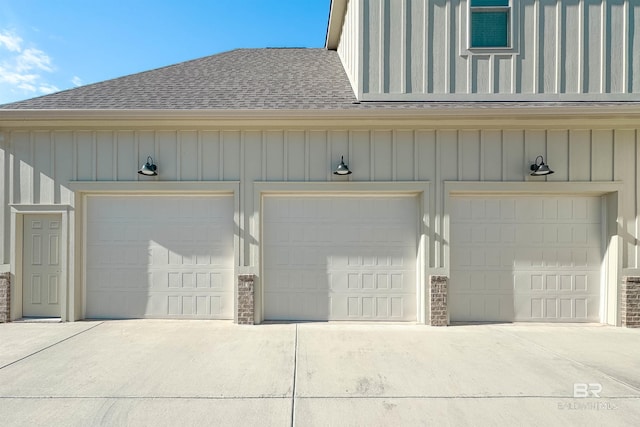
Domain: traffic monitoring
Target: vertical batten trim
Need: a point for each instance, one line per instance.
(52, 162)
(381, 57)
(403, 44)
(626, 60)
(447, 48)
(372, 156)
(603, 44)
(503, 157)
(581, 50)
(285, 154)
(200, 160)
(74, 156)
(114, 155)
(94, 153)
(437, 224)
(637, 185)
(416, 161)
(179, 155)
(243, 232)
(482, 155)
(136, 145)
(263, 149)
(425, 50)
(394, 154)
(156, 146)
(349, 149)
(221, 155)
(536, 46)
(558, 76)
(329, 151)
(306, 155)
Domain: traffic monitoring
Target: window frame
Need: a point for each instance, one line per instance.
(510, 9)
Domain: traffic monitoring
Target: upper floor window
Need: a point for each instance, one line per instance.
(490, 24)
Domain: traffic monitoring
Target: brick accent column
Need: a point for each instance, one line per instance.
(438, 300)
(246, 299)
(5, 297)
(630, 302)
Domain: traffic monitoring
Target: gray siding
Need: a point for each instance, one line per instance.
(562, 49)
(40, 164)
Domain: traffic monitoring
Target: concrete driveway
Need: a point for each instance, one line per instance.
(169, 373)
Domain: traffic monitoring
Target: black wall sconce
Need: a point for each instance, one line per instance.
(342, 169)
(149, 168)
(539, 169)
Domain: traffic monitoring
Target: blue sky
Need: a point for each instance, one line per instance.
(52, 45)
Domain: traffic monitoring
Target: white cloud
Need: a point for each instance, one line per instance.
(77, 81)
(47, 88)
(10, 41)
(33, 58)
(24, 71)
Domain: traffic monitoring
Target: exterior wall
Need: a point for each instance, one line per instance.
(42, 163)
(349, 48)
(578, 49)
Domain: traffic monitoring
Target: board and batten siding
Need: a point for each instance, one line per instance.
(40, 164)
(562, 49)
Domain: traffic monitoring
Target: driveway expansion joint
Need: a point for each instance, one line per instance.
(582, 364)
(49, 346)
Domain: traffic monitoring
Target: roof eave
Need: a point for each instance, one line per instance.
(474, 116)
(337, 12)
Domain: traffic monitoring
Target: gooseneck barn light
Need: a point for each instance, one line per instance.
(539, 169)
(342, 169)
(149, 168)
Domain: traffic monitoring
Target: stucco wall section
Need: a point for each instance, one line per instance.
(438, 300)
(5, 297)
(630, 302)
(246, 299)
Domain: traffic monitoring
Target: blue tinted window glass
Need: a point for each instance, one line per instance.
(486, 3)
(489, 29)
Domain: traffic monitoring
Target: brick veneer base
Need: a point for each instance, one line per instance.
(5, 297)
(630, 302)
(439, 315)
(246, 299)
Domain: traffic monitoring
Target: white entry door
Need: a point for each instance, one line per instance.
(525, 258)
(340, 258)
(41, 266)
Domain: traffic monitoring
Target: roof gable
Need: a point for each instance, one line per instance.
(243, 79)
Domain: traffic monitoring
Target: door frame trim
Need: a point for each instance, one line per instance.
(610, 191)
(419, 189)
(18, 211)
(84, 189)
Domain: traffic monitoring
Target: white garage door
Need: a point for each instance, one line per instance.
(340, 258)
(159, 257)
(525, 259)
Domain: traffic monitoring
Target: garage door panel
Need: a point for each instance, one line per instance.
(547, 256)
(358, 252)
(160, 256)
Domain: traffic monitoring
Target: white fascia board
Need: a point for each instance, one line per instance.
(445, 115)
(337, 12)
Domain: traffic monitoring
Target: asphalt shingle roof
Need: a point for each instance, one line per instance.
(249, 79)
(243, 79)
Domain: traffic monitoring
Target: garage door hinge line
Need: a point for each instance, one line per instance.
(49, 346)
